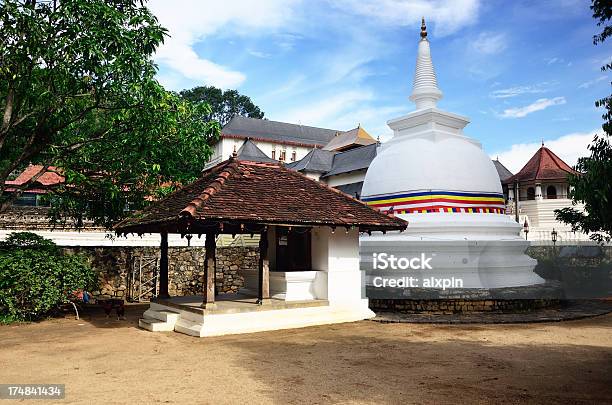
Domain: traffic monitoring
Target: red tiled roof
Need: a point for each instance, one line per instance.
(49, 178)
(239, 192)
(544, 165)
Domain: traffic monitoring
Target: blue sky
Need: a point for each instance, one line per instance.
(522, 71)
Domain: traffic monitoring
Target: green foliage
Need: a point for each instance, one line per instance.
(593, 187)
(602, 11)
(77, 91)
(36, 277)
(224, 104)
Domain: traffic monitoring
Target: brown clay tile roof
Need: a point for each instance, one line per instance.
(544, 165)
(49, 178)
(249, 192)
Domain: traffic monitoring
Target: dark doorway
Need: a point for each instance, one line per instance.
(551, 192)
(293, 250)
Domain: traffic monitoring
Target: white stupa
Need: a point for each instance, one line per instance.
(441, 181)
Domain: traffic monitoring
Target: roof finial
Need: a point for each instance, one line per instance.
(542, 142)
(423, 29)
(425, 91)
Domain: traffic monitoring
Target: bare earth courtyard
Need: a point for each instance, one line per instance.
(108, 361)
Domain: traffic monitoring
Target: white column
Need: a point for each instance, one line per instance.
(336, 256)
(510, 194)
(538, 192)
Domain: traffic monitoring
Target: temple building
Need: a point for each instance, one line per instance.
(440, 181)
(308, 249)
(281, 141)
(542, 187)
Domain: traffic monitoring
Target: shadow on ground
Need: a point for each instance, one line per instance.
(361, 362)
(336, 366)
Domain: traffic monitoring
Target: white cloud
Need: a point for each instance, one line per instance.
(324, 113)
(290, 87)
(552, 61)
(369, 117)
(590, 83)
(286, 41)
(448, 16)
(190, 21)
(489, 43)
(184, 60)
(258, 54)
(538, 105)
(568, 147)
(519, 90)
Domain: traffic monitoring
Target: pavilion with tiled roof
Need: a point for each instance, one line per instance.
(544, 165)
(309, 239)
(544, 176)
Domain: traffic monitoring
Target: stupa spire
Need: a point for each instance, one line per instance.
(425, 91)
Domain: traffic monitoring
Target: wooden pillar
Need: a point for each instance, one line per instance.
(163, 267)
(264, 270)
(516, 201)
(210, 271)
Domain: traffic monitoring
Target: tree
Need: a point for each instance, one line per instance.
(77, 92)
(593, 187)
(224, 104)
(36, 277)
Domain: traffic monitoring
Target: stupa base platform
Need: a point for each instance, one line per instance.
(453, 301)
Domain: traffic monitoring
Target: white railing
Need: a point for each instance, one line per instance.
(543, 236)
(213, 162)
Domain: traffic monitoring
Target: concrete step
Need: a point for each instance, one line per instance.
(188, 327)
(163, 315)
(155, 325)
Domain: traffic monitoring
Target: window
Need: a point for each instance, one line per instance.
(531, 193)
(551, 192)
(273, 154)
(282, 156)
(26, 200)
(293, 156)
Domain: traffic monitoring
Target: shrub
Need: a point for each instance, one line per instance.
(36, 276)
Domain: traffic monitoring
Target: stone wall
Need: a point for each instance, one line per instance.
(117, 278)
(456, 306)
(583, 271)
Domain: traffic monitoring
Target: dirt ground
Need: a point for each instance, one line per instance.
(108, 361)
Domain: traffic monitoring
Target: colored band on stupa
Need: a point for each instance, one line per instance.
(439, 201)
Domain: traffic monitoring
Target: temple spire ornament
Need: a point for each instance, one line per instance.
(423, 29)
(425, 91)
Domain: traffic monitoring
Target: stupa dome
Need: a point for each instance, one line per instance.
(425, 163)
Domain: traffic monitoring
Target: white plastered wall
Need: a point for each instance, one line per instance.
(336, 257)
